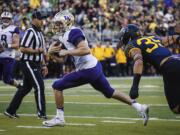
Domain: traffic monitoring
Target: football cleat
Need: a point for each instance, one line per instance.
(42, 117)
(56, 121)
(13, 116)
(144, 113)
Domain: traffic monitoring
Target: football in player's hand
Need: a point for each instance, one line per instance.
(55, 48)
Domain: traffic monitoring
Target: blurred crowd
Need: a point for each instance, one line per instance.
(101, 21)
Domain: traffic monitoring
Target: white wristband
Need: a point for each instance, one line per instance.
(9, 45)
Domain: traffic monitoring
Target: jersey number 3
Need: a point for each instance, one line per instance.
(151, 43)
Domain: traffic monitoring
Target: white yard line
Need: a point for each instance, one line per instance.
(106, 118)
(1, 130)
(37, 127)
(90, 103)
(80, 124)
(68, 124)
(129, 78)
(10, 88)
(32, 95)
(123, 122)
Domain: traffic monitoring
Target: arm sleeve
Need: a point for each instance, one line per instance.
(76, 36)
(27, 39)
(128, 49)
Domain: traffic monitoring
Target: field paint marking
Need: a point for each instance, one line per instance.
(10, 88)
(1, 130)
(52, 95)
(96, 117)
(80, 124)
(123, 122)
(90, 103)
(37, 127)
(68, 124)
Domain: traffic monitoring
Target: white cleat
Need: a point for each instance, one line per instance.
(56, 121)
(144, 113)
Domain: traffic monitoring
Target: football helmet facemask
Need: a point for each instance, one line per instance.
(62, 21)
(128, 33)
(6, 18)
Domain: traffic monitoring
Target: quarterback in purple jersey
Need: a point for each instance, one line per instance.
(9, 41)
(88, 69)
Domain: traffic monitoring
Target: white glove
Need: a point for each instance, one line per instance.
(63, 52)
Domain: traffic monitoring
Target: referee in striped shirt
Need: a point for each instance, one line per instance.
(33, 66)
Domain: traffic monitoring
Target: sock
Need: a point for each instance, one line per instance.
(136, 106)
(61, 108)
(60, 112)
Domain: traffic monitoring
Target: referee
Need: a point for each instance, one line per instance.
(33, 66)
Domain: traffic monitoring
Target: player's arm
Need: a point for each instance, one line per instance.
(135, 53)
(77, 38)
(170, 40)
(81, 49)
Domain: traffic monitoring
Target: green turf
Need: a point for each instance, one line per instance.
(83, 105)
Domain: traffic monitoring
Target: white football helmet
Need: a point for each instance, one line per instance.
(6, 18)
(62, 21)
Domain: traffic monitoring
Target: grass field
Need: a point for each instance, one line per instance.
(89, 113)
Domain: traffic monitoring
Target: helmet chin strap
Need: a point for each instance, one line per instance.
(4, 25)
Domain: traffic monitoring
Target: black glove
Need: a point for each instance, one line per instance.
(4, 44)
(135, 86)
(134, 92)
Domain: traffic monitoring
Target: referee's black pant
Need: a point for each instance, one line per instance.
(32, 79)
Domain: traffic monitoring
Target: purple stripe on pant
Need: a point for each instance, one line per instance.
(93, 76)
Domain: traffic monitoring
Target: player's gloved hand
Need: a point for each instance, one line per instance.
(135, 86)
(54, 49)
(1, 49)
(4, 44)
(134, 92)
(63, 52)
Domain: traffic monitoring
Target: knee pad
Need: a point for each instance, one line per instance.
(108, 93)
(58, 86)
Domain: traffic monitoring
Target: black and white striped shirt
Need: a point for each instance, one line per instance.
(33, 38)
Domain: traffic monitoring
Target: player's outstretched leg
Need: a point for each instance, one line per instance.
(142, 109)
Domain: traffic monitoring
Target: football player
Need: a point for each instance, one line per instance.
(153, 50)
(88, 69)
(9, 41)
